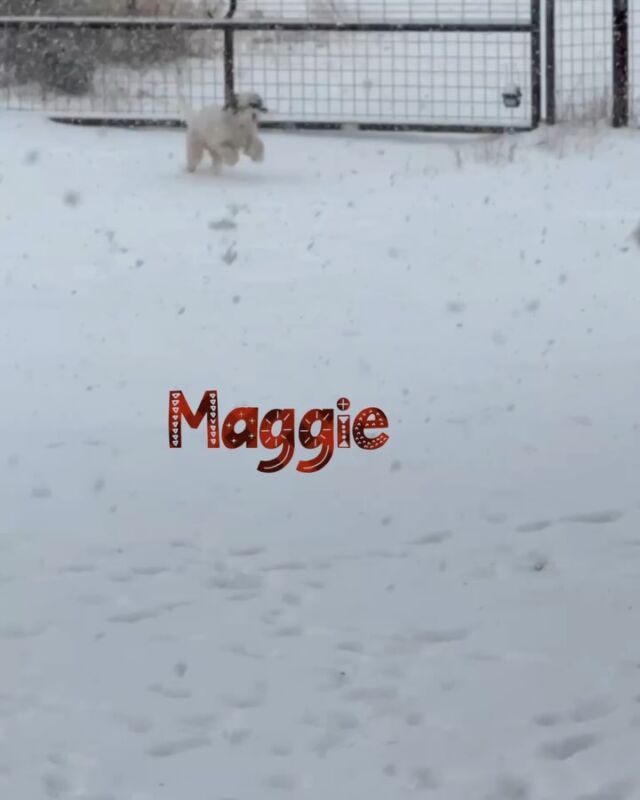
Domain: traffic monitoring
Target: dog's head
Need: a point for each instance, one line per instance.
(247, 101)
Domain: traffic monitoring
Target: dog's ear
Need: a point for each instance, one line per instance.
(245, 101)
(257, 102)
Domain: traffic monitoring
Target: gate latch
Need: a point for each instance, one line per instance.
(512, 96)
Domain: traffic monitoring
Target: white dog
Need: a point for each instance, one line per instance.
(225, 132)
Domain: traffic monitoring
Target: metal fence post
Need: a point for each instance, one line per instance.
(550, 62)
(536, 64)
(620, 63)
(229, 57)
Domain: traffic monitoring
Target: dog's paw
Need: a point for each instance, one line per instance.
(256, 153)
(231, 159)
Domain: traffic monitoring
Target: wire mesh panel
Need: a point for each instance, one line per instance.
(583, 48)
(140, 8)
(386, 10)
(471, 65)
(444, 79)
(309, 10)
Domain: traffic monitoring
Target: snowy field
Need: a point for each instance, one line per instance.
(453, 616)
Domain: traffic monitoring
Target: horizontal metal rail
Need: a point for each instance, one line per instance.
(170, 23)
(123, 121)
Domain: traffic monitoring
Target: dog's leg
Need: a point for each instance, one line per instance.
(255, 149)
(195, 151)
(216, 161)
(228, 154)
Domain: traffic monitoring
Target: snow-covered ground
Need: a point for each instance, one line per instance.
(454, 615)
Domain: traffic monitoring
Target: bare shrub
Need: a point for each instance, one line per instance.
(494, 149)
(60, 61)
(139, 49)
(575, 108)
(65, 60)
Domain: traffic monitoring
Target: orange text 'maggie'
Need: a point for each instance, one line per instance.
(319, 429)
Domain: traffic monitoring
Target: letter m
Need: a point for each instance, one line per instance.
(179, 408)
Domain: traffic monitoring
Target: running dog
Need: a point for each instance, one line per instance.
(225, 133)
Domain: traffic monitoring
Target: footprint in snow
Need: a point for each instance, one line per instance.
(286, 566)
(146, 613)
(496, 518)
(326, 742)
(134, 724)
(78, 568)
(589, 710)
(442, 636)
(535, 526)
(165, 749)
(350, 647)
(224, 224)
(618, 790)
(288, 631)
(244, 552)
(242, 597)
(253, 700)
(92, 599)
(585, 422)
(375, 694)
(56, 785)
(149, 571)
(238, 581)
(239, 649)
(23, 631)
(281, 781)
(281, 750)
(423, 778)
(563, 749)
(437, 537)
(237, 735)
(548, 719)
(594, 517)
(510, 788)
(166, 691)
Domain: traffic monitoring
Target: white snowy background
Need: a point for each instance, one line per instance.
(453, 616)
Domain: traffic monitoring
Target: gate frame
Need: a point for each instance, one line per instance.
(620, 116)
(620, 63)
(228, 25)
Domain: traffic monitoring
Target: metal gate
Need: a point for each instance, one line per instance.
(450, 72)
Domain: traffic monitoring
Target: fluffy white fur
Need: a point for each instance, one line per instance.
(225, 133)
